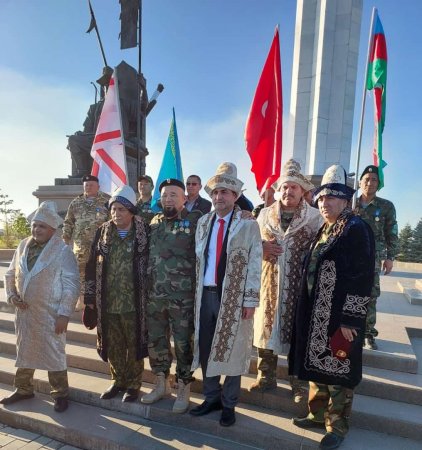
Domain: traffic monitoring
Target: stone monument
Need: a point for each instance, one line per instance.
(80, 143)
(325, 62)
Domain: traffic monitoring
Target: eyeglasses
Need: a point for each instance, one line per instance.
(191, 184)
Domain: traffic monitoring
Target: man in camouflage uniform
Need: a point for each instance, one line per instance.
(171, 279)
(85, 214)
(380, 214)
(116, 287)
(145, 187)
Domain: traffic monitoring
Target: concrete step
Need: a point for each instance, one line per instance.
(392, 385)
(390, 355)
(412, 290)
(375, 414)
(90, 427)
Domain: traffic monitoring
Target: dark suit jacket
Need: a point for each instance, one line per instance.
(202, 205)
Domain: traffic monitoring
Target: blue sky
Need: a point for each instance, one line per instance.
(209, 55)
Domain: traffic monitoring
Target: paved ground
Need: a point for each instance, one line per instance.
(12, 438)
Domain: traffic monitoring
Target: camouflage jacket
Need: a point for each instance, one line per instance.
(380, 214)
(145, 211)
(82, 220)
(171, 265)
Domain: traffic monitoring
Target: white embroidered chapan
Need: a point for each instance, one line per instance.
(232, 343)
(280, 281)
(51, 289)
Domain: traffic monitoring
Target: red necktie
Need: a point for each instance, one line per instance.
(220, 237)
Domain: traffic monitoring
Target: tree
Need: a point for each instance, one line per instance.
(20, 226)
(6, 211)
(405, 244)
(417, 242)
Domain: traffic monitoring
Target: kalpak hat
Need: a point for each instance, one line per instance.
(334, 184)
(225, 178)
(126, 196)
(291, 172)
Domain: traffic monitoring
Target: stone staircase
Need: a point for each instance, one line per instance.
(387, 402)
(412, 290)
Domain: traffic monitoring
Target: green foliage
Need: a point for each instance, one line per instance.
(417, 242)
(405, 244)
(20, 226)
(410, 243)
(8, 238)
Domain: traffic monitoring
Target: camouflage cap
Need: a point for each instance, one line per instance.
(172, 182)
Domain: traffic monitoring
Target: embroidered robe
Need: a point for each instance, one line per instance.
(95, 283)
(232, 343)
(280, 280)
(338, 297)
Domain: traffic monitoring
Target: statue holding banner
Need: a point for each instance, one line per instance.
(80, 143)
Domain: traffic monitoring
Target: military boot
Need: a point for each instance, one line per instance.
(161, 390)
(370, 343)
(181, 404)
(267, 372)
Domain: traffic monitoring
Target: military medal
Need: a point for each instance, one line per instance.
(176, 224)
(377, 213)
(187, 229)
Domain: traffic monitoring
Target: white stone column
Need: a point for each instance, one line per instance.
(323, 89)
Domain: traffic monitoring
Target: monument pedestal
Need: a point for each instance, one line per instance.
(63, 192)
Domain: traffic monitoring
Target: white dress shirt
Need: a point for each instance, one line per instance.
(209, 278)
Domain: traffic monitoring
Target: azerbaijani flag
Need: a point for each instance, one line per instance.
(376, 79)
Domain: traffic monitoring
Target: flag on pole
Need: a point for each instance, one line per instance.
(263, 133)
(171, 167)
(129, 12)
(108, 150)
(376, 80)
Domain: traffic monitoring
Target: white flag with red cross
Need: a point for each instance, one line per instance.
(108, 148)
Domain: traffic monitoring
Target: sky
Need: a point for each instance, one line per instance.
(209, 55)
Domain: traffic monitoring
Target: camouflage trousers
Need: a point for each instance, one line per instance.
(175, 316)
(267, 370)
(126, 370)
(332, 405)
(59, 385)
(371, 315)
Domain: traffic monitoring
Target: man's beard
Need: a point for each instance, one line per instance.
(170, 211)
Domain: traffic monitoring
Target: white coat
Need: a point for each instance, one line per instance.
(51, 289)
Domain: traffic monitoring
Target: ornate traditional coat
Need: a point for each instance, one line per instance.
(339, 295)
(51, 289)
(232, 343)
(280, 280)
(95, 283)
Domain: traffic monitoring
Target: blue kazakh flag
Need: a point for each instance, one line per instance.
(171, 167)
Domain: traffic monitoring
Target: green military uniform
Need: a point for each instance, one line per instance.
(145, 210)
(380, 214)
(126, 370)
(83, 217)
(171, 289)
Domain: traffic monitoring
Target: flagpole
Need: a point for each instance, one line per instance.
(139, 103)
(362, 113)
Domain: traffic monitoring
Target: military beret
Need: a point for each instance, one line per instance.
(370, 169)
(147, 178)
(172, 182)
(90, 178)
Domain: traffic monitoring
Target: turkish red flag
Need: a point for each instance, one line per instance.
(263, 133)
(108, 148)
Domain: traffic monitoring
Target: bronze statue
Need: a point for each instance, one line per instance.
(80, 143)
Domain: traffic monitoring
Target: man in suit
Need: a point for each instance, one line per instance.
(194, 200)
(229, 257)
